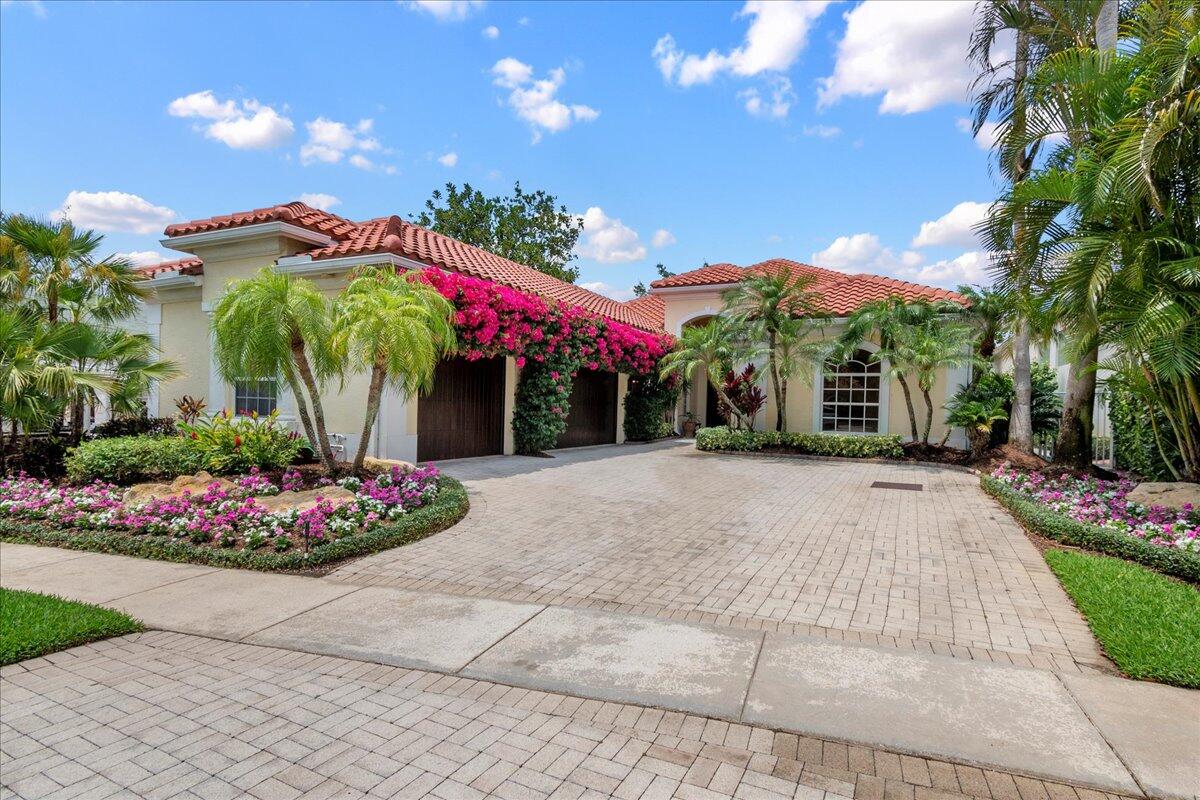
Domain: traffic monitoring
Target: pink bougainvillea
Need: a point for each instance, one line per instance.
(497, 320)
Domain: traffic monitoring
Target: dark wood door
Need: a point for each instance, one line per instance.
(712, 405)
(464, 414)
(592, 418)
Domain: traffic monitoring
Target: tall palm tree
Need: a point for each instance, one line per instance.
(272, 326)
(769, 299)
(928, 347)
(796, 351)
(990, 314)
(714, 347)
(396, 327)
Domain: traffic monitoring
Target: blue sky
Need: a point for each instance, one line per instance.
(683, 133)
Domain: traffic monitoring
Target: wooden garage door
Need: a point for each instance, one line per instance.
(592, 418)
(464, 414)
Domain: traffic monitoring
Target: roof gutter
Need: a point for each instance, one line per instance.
(225, 235)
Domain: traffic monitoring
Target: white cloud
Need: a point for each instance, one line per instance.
(662, 238)
(774, 238)
(446, 10)
(320, 200)
(863, 252)
(330, 141)
(114, 212)
(955, 227)
(777, 34)
(970, 267)
(822, 131)
(448, 159)
(914, 52)
(776, 106)
(536, 101)
(988, 134)
(608, 240)
(36, 6)
(248, 126)
(143, 258)
(600, 287)
(491, 32)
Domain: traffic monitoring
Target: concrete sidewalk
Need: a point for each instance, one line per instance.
(1095, 731)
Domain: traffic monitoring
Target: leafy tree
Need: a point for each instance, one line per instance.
(273, 326)
(765, 300)
(714, 347)
(639, 288)
(397, 328)
(531, 228)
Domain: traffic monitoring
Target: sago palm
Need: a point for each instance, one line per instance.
(397, 328)
(273, 326)
(769, 299)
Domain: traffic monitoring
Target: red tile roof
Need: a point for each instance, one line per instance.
(185, 266)
(394, 235)
(650, 306)
(842, 293)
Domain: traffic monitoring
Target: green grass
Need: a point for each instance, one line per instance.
(33, 624)
(1148, 624)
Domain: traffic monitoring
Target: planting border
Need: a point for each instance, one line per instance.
(448, 507)
(1055, 526)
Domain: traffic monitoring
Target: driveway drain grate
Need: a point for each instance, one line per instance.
(908, 487)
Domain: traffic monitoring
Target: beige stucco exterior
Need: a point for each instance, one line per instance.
(684, 306)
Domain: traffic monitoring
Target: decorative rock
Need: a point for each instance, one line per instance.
(386, 464)
(195, 484)
(304, 500)
(1172, 495)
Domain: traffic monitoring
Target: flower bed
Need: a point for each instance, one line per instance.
(1095, 514)
(229, 527)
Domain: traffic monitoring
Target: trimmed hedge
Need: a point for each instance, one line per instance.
(448, 507)
(1039, 519)
(813, 444)
(134, 459)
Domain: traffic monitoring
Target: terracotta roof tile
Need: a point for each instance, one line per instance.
(185, 266)
(393, 235)
(650, 306)
(843, 293)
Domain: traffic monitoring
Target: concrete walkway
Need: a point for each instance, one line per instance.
(1089, 730)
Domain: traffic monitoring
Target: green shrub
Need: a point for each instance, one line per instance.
(647, 403)
(1061, 528)
(448, 507)
(237, 444)
(133, 459)
(992, 386)
(816, 444)
(1135, 446)
(134, 426)
(541, 405)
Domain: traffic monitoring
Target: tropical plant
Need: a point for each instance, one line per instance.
(929, 347)
(273, 326)
(742, 390)
(648, 404)
(714, 347)
(799, 346)
(977, 417)
(397, 327)
(190, 407)
(989, 313)
(230, 444)
(768, 300)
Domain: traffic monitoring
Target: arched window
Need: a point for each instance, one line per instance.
(850, 395)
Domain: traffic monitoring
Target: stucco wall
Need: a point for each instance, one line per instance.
(183, 338)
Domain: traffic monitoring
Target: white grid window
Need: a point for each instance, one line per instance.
(850, 395)
(254, 396)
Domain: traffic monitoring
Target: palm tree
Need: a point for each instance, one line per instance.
(58, 256)
(928, 347)
(795, 353)
(396, 327)
(275, 325)
(714, 347)
(768, 300)
(990, 314)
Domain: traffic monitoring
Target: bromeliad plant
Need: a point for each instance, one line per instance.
(238, 444)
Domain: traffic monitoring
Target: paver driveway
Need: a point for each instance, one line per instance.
(793, 545)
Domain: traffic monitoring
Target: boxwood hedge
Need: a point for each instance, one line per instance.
(448, 507)
(134, 459)
(1060, 528)
(814, 444)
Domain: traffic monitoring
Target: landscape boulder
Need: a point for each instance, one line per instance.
(378, 465)
(304, 500)
(1171, 495)
(195, 484)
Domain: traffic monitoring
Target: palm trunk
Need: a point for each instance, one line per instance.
(912, 413)
(1074, 444)
(302, 409)
(773, 366)
(928, 416)
(1020, 429)
(733, 410)
(783, 402)
(76, 420)
(318, 411)
(374, 395)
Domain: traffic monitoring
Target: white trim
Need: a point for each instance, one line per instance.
(702, 288)
(708, 311)
(173, 280)
(885, 395)
(307, 265)
(277, 228)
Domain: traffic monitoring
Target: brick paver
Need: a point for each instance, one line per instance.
(167, 715)
(782, 544)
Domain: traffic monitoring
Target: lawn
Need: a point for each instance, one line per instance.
(33, 625)
(1146, 622)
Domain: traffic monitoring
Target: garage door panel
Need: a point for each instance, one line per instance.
(463, 416)
(592, 416)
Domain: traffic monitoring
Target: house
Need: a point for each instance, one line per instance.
(855, 397)
(468, 412)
